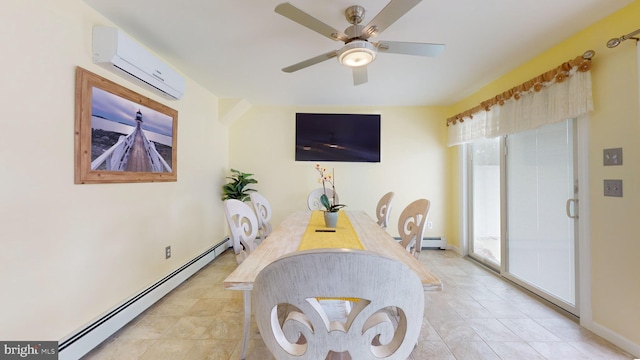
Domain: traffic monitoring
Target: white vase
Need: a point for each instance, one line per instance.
(330, 219)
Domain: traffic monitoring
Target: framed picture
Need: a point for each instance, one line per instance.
(120, 135)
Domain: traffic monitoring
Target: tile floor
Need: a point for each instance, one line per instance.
(476, 316)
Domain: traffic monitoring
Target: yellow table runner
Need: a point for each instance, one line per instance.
(343, 237)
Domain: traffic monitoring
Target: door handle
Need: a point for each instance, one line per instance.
(575, 207)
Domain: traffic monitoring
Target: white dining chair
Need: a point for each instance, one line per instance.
(293, 324)
(411, 225)
(243, 225)
(383, 209)
(263, 213)
(313, 200)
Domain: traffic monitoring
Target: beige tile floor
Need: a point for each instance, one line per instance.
(477, 316)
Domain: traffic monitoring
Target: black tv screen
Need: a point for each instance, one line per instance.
(338, 137)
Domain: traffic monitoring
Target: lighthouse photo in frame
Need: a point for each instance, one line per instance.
(120, 135)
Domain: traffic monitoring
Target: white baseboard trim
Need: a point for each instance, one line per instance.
(613, 337)
(434, 242)
(84, 340)
(431, 242)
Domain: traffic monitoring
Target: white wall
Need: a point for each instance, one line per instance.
(413, 163)
(71, 252)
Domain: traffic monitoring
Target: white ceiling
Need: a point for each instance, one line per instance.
(237, 48)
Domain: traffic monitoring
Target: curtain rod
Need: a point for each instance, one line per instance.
(616, 41)
(557, 74)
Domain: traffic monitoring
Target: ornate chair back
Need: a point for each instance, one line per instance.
(383, 210)
(244, 227)
(294, 325)
(411, 225)
(263, 213)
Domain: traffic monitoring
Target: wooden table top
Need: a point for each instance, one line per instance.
(286, 238)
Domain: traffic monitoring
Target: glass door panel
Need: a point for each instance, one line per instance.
(485, 202)
(540, 239)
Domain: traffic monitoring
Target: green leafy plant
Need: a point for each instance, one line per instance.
(237, 187)
(329, 205)
(324, 199)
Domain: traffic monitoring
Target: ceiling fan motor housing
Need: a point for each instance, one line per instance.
(354, 32)
(354, 14)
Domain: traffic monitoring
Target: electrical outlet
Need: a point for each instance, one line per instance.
(613, 188)
(429, 225)
(612, 157)
(167, 252)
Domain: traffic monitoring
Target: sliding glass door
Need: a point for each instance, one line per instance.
(541, 189)
(523, 210)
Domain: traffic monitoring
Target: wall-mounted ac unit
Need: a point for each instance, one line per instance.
(114, 50)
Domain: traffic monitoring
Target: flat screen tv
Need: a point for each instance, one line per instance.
(338, 137)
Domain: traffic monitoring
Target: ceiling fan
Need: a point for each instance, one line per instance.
(357, 51)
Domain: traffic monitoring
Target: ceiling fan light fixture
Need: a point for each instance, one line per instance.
(357, 53)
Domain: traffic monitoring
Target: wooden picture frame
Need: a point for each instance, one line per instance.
(120, 135)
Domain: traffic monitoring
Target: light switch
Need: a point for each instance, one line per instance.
(612, 157)
(613, 188)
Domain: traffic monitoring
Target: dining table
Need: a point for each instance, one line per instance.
(302, 230)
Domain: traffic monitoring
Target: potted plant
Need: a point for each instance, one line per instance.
(331, 208)
(237, 187)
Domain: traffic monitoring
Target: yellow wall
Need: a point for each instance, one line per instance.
(412, 162)
(71, 252)
(613, 123)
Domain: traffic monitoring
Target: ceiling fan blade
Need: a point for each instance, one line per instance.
(387, 16)
(293, 13)
(360, 75)
(409, 48)
(309, 62)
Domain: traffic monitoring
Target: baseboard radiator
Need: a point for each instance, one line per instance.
(432, 243)
(84, 340)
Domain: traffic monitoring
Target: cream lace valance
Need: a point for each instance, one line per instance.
(558, 94)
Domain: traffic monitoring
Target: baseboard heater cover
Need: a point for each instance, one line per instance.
(81, 342)
(432, 242)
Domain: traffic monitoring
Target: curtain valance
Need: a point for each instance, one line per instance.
(558, 94)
